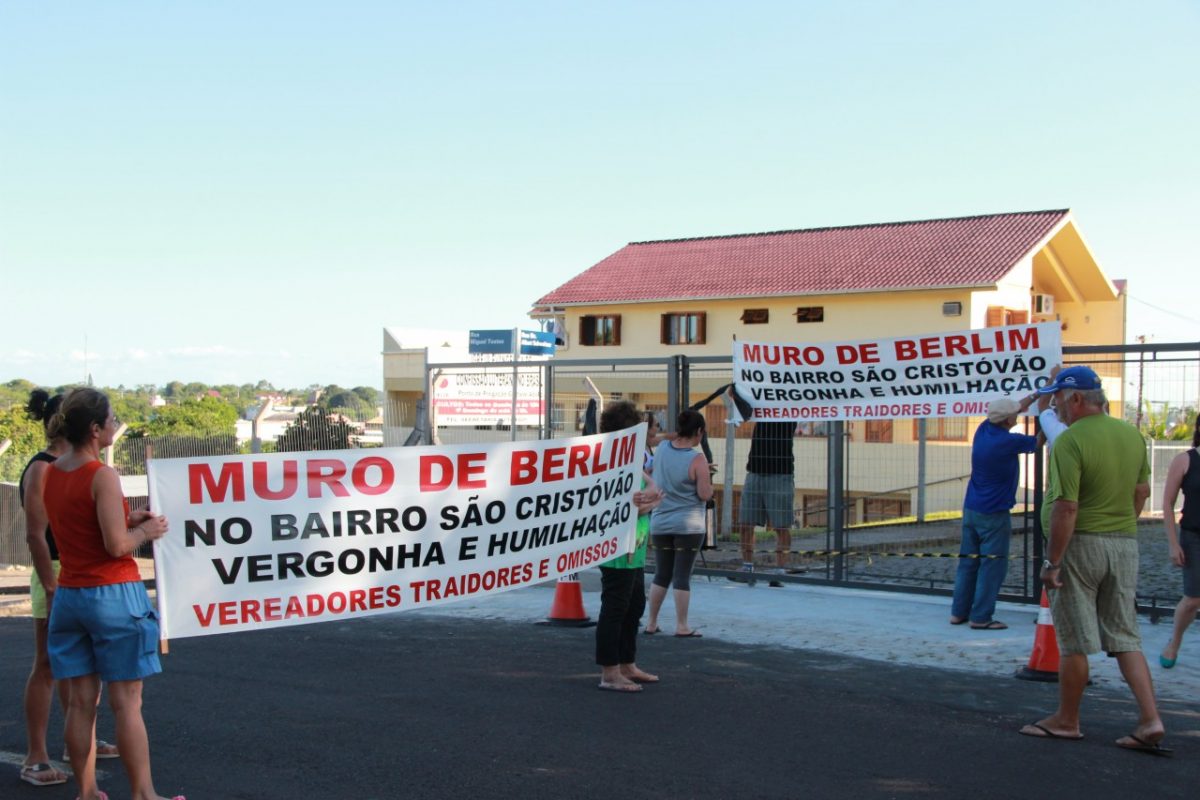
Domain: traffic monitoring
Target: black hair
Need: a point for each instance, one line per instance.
(1196, 432)
(618, 416)
(42, 406)
(80, 408)
(689, 423)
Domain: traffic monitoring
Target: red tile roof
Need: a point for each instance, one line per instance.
(927, 254)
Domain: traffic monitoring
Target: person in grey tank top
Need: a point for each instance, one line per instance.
(677, 525)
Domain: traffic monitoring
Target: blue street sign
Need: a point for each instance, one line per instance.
(497, 341)
(537, 343)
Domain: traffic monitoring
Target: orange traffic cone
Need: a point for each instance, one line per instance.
(567, 609)
(1043, 661)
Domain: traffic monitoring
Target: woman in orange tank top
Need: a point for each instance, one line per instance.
(102, 626)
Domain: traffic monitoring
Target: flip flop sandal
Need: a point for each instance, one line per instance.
(618, 687)
(692, 635)
(1143, 746)
(103, 750)
(30, 773)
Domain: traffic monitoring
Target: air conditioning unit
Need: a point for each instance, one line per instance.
(1043, 305)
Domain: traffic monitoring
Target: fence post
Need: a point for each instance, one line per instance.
(833, 508)
(109, 452)
(921, 457)
(674, 405)
(547, 369)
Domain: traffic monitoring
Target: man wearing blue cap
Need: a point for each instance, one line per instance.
(1099, 482)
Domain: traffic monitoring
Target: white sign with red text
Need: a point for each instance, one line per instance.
(938, 375)
(485, 397)
(279, 539)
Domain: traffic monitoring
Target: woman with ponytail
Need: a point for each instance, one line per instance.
(102, 626)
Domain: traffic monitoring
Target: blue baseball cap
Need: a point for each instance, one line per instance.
(1082, 378)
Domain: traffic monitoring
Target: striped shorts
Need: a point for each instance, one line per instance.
(1096, 608)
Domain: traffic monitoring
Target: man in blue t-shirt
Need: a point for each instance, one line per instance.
(987, 514)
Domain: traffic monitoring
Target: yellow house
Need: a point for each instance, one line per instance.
(695, 296)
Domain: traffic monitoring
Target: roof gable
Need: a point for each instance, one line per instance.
(927, 254)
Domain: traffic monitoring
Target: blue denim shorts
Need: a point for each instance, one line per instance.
(111, 630)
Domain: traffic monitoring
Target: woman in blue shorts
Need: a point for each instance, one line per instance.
(102, 626)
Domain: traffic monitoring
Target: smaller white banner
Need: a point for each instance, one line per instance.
(936, 375)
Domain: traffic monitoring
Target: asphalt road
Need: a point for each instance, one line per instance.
(421, 705)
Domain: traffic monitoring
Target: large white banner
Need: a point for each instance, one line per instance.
(938, 375)
(281, 539)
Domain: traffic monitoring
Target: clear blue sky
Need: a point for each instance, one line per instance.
(232, 191)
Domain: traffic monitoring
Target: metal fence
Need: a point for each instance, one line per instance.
(877, 504)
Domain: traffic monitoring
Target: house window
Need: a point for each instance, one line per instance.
(683, 328)
(942, 429)
(756, 316)
(953, 309)
(812, 429)
(810, 314)
(878, 430)
(999, 315)
(878, 509)
(596, 330)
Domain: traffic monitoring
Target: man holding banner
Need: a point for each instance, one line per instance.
(987, 513)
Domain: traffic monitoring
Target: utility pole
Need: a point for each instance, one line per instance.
(1141, 378)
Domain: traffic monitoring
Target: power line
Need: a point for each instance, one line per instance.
(1165, 310)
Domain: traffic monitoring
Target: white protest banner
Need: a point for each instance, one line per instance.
(278, 539)
(937, 375)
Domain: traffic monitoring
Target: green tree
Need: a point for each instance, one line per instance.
(369, 395)
(15, 392)
(314, 429)
(208, 416)
(27, 437)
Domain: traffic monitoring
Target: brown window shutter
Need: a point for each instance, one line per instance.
(664, 329)
(616, 329)
(1018, 317)
(587, 330)
(995, 316)
(701, 327)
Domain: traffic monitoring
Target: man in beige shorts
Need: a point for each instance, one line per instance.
(1098, 485)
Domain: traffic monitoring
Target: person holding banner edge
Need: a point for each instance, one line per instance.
(987, 513)
(102, 625)
(623, 581)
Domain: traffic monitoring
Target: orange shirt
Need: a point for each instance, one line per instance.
(72, 510)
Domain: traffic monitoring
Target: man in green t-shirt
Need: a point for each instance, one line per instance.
(1098, 485)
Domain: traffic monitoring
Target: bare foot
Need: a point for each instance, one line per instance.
(637, 675)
